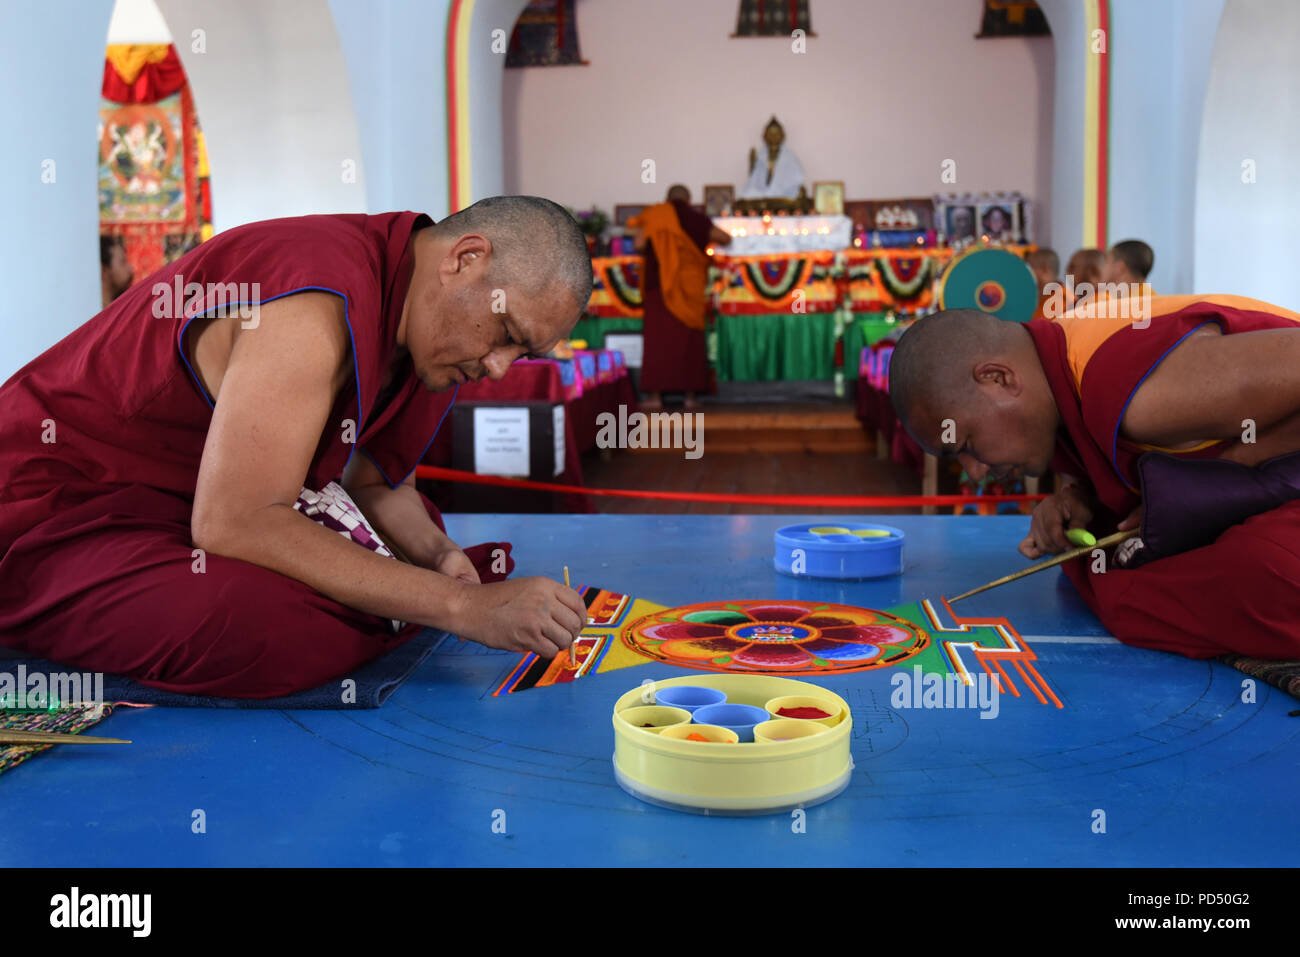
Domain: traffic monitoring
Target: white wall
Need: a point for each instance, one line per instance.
(272, 95)
(51, 69)
(1246, 232)
(884, 94)
(1160, 66)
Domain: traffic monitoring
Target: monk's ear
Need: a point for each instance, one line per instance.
(469, 252)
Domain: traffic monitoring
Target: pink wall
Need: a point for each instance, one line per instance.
(887, 90)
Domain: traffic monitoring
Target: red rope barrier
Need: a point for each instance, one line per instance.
(822, 501)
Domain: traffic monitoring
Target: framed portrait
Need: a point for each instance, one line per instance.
(999, 220)
(828, 197)
(959, 223)
(718, 199)
(625, 211)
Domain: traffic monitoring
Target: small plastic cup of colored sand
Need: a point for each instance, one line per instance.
(688, 697)
(740, 718)
(1079, 537)
(703, 733)
(654, 717)
(797, 707)
(787, 729)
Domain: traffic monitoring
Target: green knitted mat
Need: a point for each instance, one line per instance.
(71, 720)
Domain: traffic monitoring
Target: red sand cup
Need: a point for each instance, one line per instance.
(711, 733)
(804, 708)
(787, 729)
(655, 717)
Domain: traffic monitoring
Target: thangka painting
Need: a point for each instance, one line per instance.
(546, 34)
(773, 18)
(142, 162)
(787, 638)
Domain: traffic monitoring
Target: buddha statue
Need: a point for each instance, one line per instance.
(776, 182)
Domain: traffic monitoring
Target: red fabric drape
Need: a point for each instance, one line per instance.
(156, 81)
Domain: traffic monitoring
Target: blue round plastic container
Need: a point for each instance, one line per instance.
(740, 718)
(802, 552)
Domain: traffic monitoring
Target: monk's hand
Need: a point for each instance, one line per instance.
(1134, 520)
(523, 614)
(454, 563)
(1068, 508)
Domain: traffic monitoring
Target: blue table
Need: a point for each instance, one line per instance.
(1184, 771)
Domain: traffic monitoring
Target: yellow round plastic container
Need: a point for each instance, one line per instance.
(759, 777)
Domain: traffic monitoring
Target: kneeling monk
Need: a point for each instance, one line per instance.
(158, 467)
(1184, 420)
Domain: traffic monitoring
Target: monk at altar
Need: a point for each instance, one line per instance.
(672, 236)
(205, 486)
(1184, 424)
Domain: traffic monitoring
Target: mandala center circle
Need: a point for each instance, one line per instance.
(776, 632)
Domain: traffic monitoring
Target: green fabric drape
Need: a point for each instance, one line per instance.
(769, 347)
(594, 329)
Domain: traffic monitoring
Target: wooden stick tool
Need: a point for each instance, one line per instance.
(1063, 557)
(54, 737)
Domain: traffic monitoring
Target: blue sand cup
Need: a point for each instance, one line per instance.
(688, 697)
(740, 718)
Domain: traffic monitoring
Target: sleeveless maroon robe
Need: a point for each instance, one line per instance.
(1240, 594)
(674, 357)
(100, 443)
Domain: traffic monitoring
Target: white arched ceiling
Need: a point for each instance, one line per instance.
(1247, 201)
(271, 85)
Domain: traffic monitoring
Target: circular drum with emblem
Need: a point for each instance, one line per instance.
(991, 280)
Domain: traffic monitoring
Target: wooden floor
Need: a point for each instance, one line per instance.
(793, 449)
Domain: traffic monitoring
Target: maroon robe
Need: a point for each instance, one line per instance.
(1239, 594)
(101, 438)
(674, 357)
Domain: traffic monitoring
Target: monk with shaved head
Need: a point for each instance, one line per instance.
(210, 486)
(1183, 423)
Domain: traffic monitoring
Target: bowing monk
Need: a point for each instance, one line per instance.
(204, 486)
(1184, 424)
(673, 237)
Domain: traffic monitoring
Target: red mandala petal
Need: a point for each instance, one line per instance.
(680, 631)
(699, 648)
(776, 612)
(773, 656)
(872, 634)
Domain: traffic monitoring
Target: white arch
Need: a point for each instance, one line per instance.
(271, 87)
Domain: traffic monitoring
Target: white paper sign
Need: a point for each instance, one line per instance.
(557, 424)
(628, 343)
(501, 441)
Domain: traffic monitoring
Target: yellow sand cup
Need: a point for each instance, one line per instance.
(711, 732)
(656, 716)
(788, 729)
(831, 708)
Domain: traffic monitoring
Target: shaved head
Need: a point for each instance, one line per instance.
(535, 242)
(930, 370)
(965, 382)
(679, 193)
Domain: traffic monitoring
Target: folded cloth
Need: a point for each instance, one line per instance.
(333, 507)
(1188, 503)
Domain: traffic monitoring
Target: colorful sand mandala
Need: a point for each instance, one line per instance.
(775, 637)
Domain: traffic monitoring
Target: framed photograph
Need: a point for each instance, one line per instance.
(999, 220)
(624, 212)
(718, 199)
(959, 223)
(828, 197)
